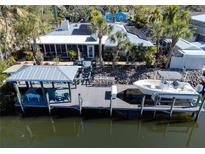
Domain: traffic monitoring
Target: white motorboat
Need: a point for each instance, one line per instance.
(150, 87)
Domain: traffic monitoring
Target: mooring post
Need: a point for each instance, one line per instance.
(27, 84)
(69, 90)
(171, 110)
(31, 84)
(48, 101)
(80, 103)
(200, 109)
(18, 96)
(142, 105)
(53, 85)
(111, 106)
(197, 103)
(157, 100)
(43, 90)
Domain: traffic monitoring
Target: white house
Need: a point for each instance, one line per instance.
(187, 55)
(199, 22)
(78, 36)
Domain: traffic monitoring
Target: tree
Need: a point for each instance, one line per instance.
(101, 28)
(128, 49)
(120, 39)
(94, 14)
(142, 15)
(176, 22)
(157, 31)
(76, 13)
(35, 23)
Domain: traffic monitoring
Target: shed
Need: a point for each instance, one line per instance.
(189, 59)
(187, 55)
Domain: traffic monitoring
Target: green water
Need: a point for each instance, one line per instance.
(45, 131)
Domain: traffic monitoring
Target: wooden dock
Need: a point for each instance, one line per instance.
(91, 97)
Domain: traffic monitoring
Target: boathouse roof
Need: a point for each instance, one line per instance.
(15, 68)
(45, 74)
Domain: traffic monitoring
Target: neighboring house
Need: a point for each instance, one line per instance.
(119, 16)
(187, 55)
(78, 37)
(198, 21)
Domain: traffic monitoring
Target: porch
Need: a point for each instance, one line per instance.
(61, 50)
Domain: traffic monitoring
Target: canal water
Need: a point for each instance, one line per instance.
(75, 131)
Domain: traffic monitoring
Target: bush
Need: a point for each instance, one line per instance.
(161, 61)
(10, 60)
(56, 60)
(29, 56)
(39, 57)
(107, 55)
(72, 53)
(141, 53)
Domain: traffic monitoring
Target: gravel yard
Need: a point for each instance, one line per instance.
(129, 74)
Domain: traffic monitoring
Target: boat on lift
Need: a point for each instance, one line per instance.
(150, 87)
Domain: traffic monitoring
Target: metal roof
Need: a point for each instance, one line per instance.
(45, 74)
(200, 17)
(78, 34)
(15, 68)
(185, 45)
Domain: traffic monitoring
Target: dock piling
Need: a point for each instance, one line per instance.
(80, 103)
(111, 106)
(48, 101)
(172, 106)
(157, 100)
(142, 105)
(200, 109)
(19, 96)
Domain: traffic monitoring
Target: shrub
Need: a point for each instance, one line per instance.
(72, 53)
(3, 67)
(56, 60)
(161, 61)
(29, 56)
(10, 60)
(39, 57)
(107, 55)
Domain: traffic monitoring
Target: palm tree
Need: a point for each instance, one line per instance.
(128, 50)
(101, 28)
(176, 25)
(157, 31)
(120, 39)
